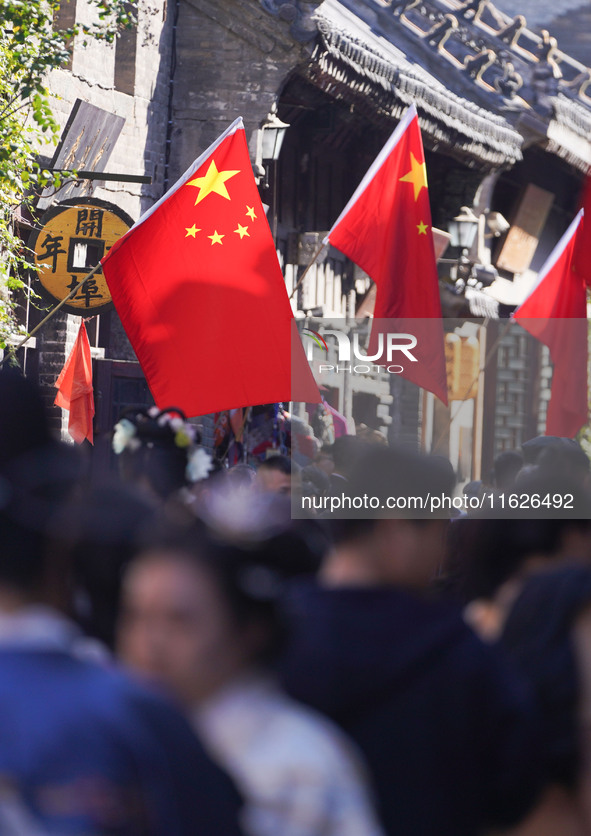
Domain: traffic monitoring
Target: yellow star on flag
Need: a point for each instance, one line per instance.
(213, 181)
(242, 231)
(417, 175)
(216, 238)
(192, 231)
(422, 228)
(250, 212)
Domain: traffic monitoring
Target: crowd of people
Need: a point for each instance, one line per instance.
(179, 655)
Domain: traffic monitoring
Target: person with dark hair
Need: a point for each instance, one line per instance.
(200, 614)
(23, 422)
(505, 469)
(528, 583)
(276, 475)
(346, 452)
(96, 533)
(448, 732)
(84, 748)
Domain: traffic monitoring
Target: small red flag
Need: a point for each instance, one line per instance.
(199, 290)
(386, 230)
(74, 387)
(555, 313)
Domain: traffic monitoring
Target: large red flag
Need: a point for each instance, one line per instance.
(555, 313)
(386, 230)
(74, 387)
(200, 292)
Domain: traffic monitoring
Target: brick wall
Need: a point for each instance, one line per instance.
(232, 60)
(94, 77)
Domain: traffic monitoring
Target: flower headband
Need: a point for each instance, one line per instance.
(153, 425)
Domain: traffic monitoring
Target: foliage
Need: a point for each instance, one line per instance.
(30, 47)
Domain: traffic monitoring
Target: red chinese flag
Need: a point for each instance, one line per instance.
(74, 387)
(200, 292)
(386, 230)
(555, 313)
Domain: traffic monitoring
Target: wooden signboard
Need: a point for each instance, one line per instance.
(86, 143)
(73, 238)
(522, 239)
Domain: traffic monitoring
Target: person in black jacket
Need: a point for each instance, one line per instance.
(447, 729)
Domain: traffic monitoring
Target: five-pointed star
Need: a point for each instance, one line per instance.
(242, 231)
(214, 181)
(417, 175)
(192, 231)
(250, 212)
(422, 228)
(216, 238)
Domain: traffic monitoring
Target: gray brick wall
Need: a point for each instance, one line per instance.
(515, 389)
(139, 150)
(232, 59)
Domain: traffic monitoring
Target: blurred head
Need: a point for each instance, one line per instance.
(32, 491)
(97, 530)
(178, 625)
(23, 420)
(199, 611)
(274, 475)
(485, 553)
(23, 556)
(395, 543)
(347, 451)
(506, 467)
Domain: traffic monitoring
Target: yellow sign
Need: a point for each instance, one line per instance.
(462, 363)
(73, 238)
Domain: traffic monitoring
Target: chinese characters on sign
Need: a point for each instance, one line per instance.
(72, 240)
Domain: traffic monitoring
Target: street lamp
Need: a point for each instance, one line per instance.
(463, 229)
(273, 133)
(271, 136)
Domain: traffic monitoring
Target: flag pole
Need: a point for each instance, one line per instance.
(303, 276)
(53, 311)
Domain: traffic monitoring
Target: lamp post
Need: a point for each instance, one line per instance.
(273, 130)
(272, 134)
(463, 229)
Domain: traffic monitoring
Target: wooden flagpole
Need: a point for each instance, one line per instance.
(53, 311)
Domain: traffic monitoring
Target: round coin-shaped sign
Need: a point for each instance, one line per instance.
(72, 238)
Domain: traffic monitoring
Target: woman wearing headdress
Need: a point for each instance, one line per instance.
(201, 614)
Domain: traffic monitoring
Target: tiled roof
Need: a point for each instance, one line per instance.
(481, 81)
(353, 62)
